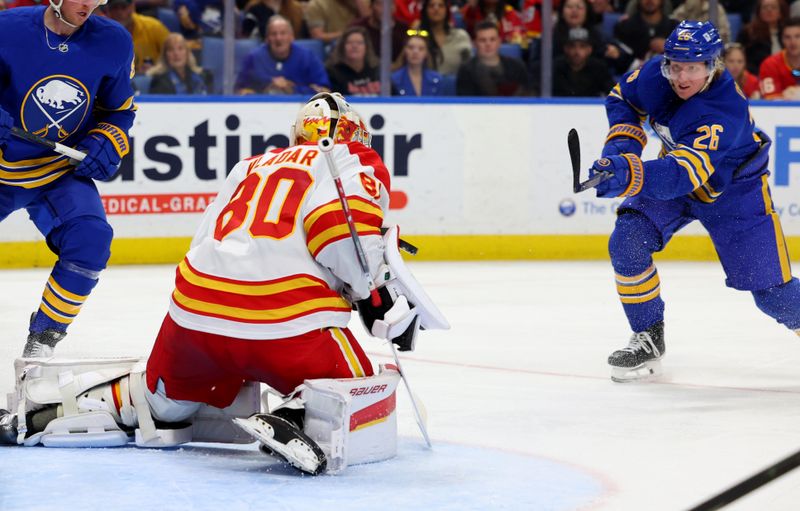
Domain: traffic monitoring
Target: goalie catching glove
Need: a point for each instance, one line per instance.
(405, 307)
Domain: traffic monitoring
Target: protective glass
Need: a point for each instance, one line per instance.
(685, 70)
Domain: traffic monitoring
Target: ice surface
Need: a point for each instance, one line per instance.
(521, 410)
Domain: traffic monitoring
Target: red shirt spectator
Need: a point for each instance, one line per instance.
(780, 72)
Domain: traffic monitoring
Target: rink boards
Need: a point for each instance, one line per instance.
(470, 180)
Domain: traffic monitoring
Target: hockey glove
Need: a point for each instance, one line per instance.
(102, 160)
(395, 319)
(624, 138)
(6, 122)
(626, 175)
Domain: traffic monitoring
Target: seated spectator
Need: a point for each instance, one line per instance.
(372, 24)
(699, 10)
(258, 12)
(501, 12)
(577, 73)
(281, 67)
(327, 19)
(576, 14)
(448, 46)
(488, 73)
(353, 66)
(760, 37)
(735, 62)
(148, 33)
(646, 29)
(415, 78)
(199, 18)
(177, 71)
(779, 76)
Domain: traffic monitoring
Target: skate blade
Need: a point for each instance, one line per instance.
(644, 372)
(295, 452)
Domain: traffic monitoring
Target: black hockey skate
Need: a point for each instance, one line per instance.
(8, 428)
(641, 359)
(283, 440)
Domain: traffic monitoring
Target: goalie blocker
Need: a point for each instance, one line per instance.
(405, 307)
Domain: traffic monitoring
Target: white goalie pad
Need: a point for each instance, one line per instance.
(430, 317)
(353, 420)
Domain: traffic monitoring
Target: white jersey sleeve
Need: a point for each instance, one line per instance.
(273, 250)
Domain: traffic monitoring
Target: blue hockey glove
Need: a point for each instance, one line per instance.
(624, 138)
(6, 122)
(627, 175)
(102, 160)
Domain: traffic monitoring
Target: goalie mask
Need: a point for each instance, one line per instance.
(329, 115)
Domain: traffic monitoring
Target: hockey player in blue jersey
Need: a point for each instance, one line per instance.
(65, 76)
(712, 168)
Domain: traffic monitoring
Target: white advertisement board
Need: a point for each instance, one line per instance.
(458, 168)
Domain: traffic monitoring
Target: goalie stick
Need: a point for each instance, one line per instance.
(55, 146)
(750, 484)
(574, 145)
(325, 145)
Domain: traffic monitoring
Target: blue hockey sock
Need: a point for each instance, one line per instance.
(66, 290)
(631, 246)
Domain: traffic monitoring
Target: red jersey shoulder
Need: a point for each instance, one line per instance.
(369, 158)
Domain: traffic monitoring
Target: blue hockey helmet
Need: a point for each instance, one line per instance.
(693, 41)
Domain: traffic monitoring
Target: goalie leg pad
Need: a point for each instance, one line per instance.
(353, 420)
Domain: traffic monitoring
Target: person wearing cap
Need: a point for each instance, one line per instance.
(713, 167)
(577, 73)
(148, 33)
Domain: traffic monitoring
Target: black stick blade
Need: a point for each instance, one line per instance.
(574, 146)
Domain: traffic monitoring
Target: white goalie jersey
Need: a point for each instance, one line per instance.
(273, 252)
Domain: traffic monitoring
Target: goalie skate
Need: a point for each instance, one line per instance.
(282, 439)
(641, 359)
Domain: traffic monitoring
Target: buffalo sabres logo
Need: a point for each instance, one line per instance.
(55, 107)
(603, 162)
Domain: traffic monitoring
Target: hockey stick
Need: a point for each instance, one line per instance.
(750, 484)
(55, 146)
(574, 145)
(326, 146)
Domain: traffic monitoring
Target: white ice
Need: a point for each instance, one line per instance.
(521, 409)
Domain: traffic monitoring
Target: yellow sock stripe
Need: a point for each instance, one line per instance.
(349, 354)
(628, 131)
(783, 253)
(60, 305)
(641, 298)
(637, 289)
(636, 279)
(54, 315)
(63, 293)
(637, 175)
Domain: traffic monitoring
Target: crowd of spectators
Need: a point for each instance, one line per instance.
(446, 47)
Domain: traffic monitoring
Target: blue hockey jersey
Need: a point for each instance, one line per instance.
(60, 95)
(706, 139)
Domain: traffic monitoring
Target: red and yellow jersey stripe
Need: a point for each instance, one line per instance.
(270, 301)
(326, 224)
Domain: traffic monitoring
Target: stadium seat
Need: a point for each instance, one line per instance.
(211, 57)
(169, 19)
(511, 50)
(609, 20)
(448, 85)
(735, 21)
(315, 45)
